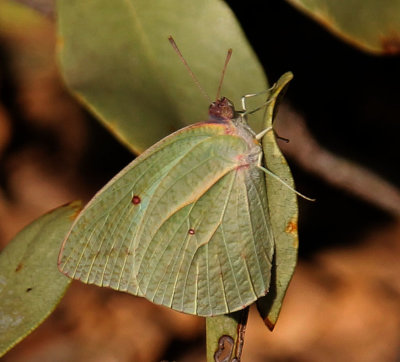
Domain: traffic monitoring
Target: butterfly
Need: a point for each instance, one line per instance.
(186, 224)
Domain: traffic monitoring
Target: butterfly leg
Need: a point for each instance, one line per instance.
(270, 173)
(262, 133)
(243, 99)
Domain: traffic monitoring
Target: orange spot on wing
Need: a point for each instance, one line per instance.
(19, 267)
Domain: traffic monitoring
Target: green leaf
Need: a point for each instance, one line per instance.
(282, 204)
(372, 25)
(30, 283)
(116, 58)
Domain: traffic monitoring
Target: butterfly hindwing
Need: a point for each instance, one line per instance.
(213, 256)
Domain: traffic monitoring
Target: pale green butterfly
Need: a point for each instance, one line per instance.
(186, 224)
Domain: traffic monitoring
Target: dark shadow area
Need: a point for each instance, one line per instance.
(349, 100)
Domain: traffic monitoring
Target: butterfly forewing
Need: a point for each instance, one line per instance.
(186, 225)
(99, 248)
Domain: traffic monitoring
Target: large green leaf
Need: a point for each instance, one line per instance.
(116, 58)
(282, 204)
(30, 283)
(372, 25)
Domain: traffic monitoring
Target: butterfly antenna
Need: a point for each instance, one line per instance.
(172, 41)
(228, 57)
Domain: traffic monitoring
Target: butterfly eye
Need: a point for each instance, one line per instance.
(191, 231)
(136, 200)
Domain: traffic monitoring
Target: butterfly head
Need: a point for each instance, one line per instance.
(221, 109)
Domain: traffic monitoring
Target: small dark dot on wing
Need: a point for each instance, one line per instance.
(136, 200)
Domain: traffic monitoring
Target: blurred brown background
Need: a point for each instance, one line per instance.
(343, 303)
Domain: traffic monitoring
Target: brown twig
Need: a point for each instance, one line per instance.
(341, 173)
